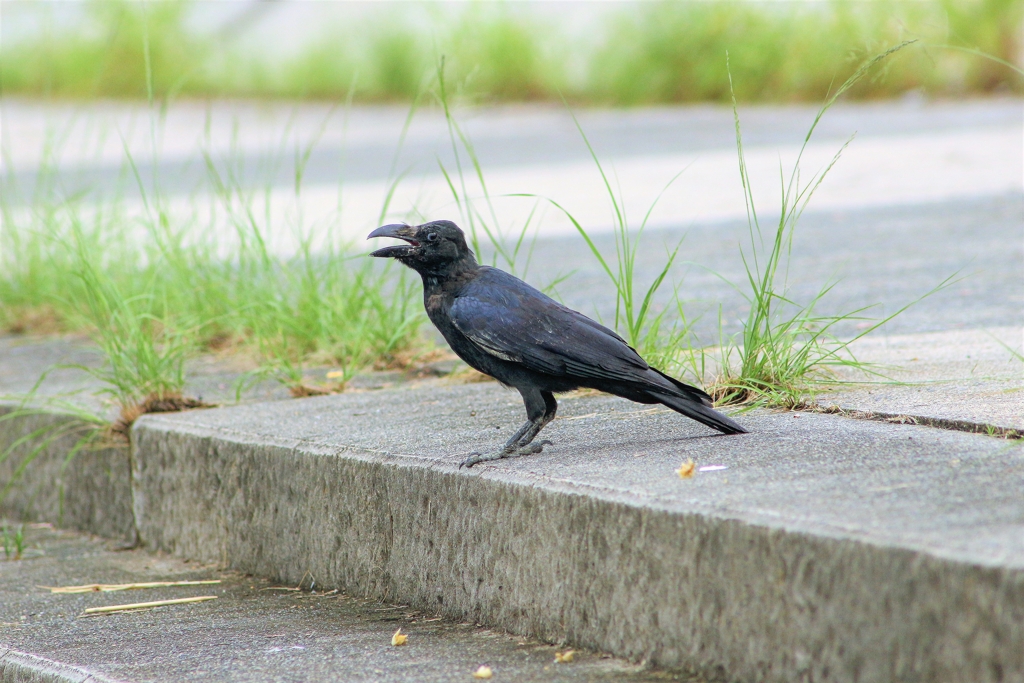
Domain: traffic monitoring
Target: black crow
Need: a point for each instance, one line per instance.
(505, 328)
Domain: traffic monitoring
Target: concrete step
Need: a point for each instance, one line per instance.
(814, 548)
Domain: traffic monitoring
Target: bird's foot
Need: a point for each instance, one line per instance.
(532, 448)
(529, 449)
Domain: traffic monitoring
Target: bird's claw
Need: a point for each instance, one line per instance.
(529, 449)
(532, 448)
(473, 459)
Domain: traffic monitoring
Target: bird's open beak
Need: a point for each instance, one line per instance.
(399, 231)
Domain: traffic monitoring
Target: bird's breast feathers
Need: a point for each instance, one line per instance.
(434, 303)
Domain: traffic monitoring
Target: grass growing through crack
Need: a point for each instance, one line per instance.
(154, 282)
(786, 348)
(13, 541)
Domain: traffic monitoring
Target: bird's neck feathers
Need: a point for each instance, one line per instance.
(440, 274)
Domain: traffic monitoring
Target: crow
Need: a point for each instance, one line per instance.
(505, 328)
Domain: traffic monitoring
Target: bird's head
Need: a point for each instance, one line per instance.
(432, 248)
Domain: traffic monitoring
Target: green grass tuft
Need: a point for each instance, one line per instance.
(13, 542)
(156, 289)
(787, 348)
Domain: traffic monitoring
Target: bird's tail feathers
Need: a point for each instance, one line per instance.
(695, 410)
(686, 390)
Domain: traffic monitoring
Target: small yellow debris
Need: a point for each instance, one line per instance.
(399, 638)
(483, 672)
(686, 470)
(335, 374)
(564, 657)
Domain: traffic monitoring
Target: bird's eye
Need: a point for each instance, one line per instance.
(431, 236)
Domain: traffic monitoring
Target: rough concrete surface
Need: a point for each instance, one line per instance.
(250, 633)
(38, 481)
(24, 667)
(829, 549)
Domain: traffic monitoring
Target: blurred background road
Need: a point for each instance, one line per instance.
(907, 151)
(924, 191)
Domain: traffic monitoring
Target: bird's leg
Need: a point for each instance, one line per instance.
(539, 418)
(514, 440)
(540, 410)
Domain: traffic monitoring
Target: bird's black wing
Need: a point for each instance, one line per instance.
(511, 320)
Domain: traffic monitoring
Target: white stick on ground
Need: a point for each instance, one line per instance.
(107, 587)
(145, 605)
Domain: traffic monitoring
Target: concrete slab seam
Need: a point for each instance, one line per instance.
(24, 667)
(922, 420)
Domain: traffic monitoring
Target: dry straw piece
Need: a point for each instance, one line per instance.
(146, 605)
(110, 587)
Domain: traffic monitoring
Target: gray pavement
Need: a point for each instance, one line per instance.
(251, 632)
(336, 486)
